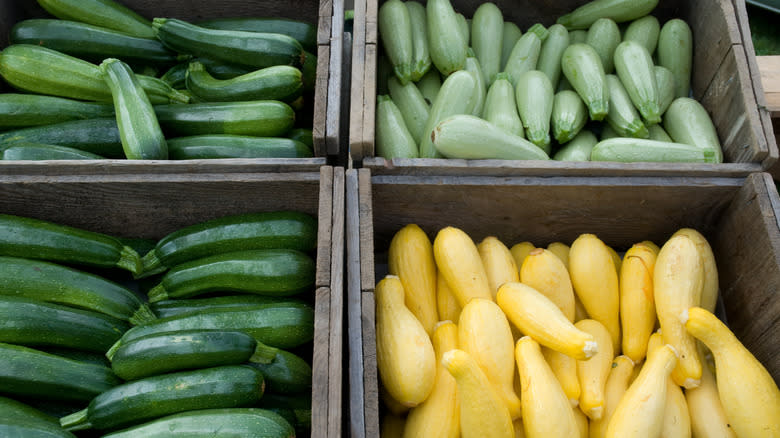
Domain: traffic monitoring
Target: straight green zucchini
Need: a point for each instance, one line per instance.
(280, 325)
(91, 43)
(675, 52)
(583, 69)
(162, 353)
(235, 146)
(152, 397)
(285, 373)
(263, 230)
(446, 43)
(78, 355)
(44, 71)
(469, 137)
(208, 423)
(604, 37)
(480, 90)
(276, 272)
(534, 95)
(305, 33)
(97, 136)
(568, 117)
(279, 82)
(617, 10)
(487, 28)
(53, 283)
(303, 135)
(578, 36)
(31, 373)
(429, 85)
(20, 420)
(656, 132)
(629, 150)
(395, 30)
(393, 137)
(500, 106)
(411, 104)
(142, 137)
(634, 67)
(176, 76)
(222, 70)
(167, 308)
(252, 49)
(260, 118)
(23, 110)
(32, 323)
(687, 121)
(622, 115)
(104, 13)
(37, 151)
(577, 149)
(645, 31)
(456, 96)
(421, 56)
(524, 56)
(664, 80)
(550, 54)
(510, 34)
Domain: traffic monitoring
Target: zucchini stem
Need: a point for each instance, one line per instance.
(157, 293)
(264, 354)
(130, 260)
(76, 421)
(143, 315)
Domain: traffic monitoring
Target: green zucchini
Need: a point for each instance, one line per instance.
(38, 151)
(285, 373)
(20, 420)
(469, 137)
(277, 272)
(97, 136)
(656, 132)
(61, 285)
(91, 43)
(31, 373)
(162, 353)
(675, 52)
(630, 150)
(104, 13)
(487, 28)
(429, 85)
(645, 31)
(534, 96)
(446, 43)
(222, 70)
(44, 71)
(465, 28)
(261, 118)
(687, 121)
(472, 66)
(393, 137)
(290, 416)
(524, 56)
(280, 325)
(252, 49)
(305, 33)
(142, 137)
(309, 71)
(412, 106)
(622, 115)
(23, 110)
(208, 423)
(152, 397)
(303, 135)
(500, 107)
(617, 10)
(456, 96)
(510, 34)
(634, 67)
(582, 67)
(664, 80)
(32, 322)
(578, 36)
(264, 230)
(604, 37)
(421, 56)
(176, 76)
(279, 82)
(550, 54)
(235, 146)
(569, 115)
(78, 355)
(167, 308)
(395, 30)
(578, 148)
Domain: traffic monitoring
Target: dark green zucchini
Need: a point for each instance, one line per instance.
(18, 419)
(78, 355)
(33, 373)
(261, 118)
(53, 283)
(303, 32)
(303, 135)
(264, 230)
(252, 49)
(222, 70)
(235, 146)
(153, 397)
(32, 323)
(166, 308)
(285, 373)
(209, 423)
(278, 82)
(161, 353)
(39, 152)
(23, 110)
(142, 137)
(309, 71)
(39, 239)
(104, 13)
(282, 325)
(97, 136)
(176, 76)
(91, 43)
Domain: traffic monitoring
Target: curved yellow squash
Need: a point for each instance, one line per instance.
(708, 419)
(615, 388)
(565, 369)
(499, 264)
(459, 262)
(410, 257)
(637, 304)
(520, 252)
(709, 291)
(446, 303)
(593, 372)
(545, 272)
(561, 250)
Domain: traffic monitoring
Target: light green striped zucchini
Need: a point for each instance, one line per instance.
(235, 146)
(473, 67)
(675, 52)
(645, 31)
(487, 28)
(278, 82)
(501, 107)
(582, 67)
(509, 36)
(36, 151)
(22, 110)
(524, 56)
(629, 150)
(456, 96)
(656, 132)
(686, 121)
(617, 10)
(395, 29)
(393, 139)
(635, 69)
(469, 137)
(429, 85)
(664, 80)
(412, 106)
(604, 36)
(568, 117)
(578, 149)
(534, 95)
(622, 115)
(445, 41)
(421, 56)
(549, 61)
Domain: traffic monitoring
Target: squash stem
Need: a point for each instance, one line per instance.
(76, 421)
(143, 315)
(157, 293)
(130, 260)
(264, 354)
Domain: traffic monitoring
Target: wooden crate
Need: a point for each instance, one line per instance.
(738, 216)
(724, 76)
(151, 206)
(324, 113)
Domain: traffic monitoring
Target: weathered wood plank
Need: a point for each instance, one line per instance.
(327, 13)
(371, 377)
(325, 226)
(320, 117)
(366, 231)
(769, 67)
(336, 332)
(335, 80)
(321, 360)
(369, 100)
(130, 167)
(357, 76)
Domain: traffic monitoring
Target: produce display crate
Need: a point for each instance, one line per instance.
(151, 206)
(738, 216)
(724, 80)
(324, 113)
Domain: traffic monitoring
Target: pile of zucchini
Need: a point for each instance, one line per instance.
(100, 81)
(205, 332)
(607, 82)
